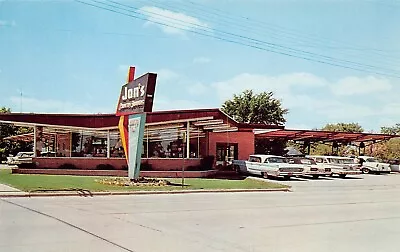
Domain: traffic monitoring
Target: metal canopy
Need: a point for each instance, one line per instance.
(322, 136)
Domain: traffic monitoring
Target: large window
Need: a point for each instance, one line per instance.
(170, 142)
(160, 141)
(89, 144)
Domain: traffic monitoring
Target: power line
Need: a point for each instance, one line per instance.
(85, 32)
(247, 24)
(241, 43)
(265, 24)
(273, 45)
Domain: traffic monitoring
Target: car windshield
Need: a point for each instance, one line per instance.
(348, 161)
(371, 160)
(275, 160)
(307, 161)
(334, 160)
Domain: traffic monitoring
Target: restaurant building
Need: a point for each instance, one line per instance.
(196, 140)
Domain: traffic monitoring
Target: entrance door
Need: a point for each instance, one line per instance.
(226, 152)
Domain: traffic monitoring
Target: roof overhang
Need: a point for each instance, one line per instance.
(321, 136)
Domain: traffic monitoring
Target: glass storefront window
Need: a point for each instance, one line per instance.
(160, 142)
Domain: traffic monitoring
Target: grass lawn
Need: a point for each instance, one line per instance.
(27, 182)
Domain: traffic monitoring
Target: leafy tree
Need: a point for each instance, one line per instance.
(395, 130)
(324, 149)
(344, 127)
(263, 108)
(387, 149)
(9, 147)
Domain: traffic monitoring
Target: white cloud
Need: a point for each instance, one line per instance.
(201, 60)
(360, 86)
(279, 84)
(165, 103)
(166, 75)
(123, 68)
(197, 89)
(7, 23)
(34, 105)
(391, 109)
(171, 22)
(314, 96)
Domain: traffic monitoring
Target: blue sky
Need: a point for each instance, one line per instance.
(68, 57)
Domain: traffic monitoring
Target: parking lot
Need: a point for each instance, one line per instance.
(354, 182)
(329, 214)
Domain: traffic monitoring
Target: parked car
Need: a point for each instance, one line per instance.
(395, 165)
(268, 165)
(372, 165)
(341, 166)
(311, 168)
(21, 159)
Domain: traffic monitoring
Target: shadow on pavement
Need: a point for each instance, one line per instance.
(291, 179)
(348, 178)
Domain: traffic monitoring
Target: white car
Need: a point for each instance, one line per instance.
(372, 165)
(21, 158)
(268, 165)
(340, 166)
(311, 168)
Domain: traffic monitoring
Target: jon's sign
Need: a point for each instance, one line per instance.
(137, 95)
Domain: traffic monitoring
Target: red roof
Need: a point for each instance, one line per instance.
(111, 120)
(327, 136)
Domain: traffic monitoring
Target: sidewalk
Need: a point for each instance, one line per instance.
(10, 191)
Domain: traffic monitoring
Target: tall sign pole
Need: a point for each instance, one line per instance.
(135, 100)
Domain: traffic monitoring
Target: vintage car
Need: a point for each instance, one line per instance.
(372, 165)
(394, 165)
(341, 166)
(311, 168)
(268, 165)
(21, 159)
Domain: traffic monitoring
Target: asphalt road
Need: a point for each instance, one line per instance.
(361, 214)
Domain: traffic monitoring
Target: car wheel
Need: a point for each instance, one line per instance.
(286, 177)
(237, 169)
(315, 176)
(365, 170)
(264, 175)
(342, 175)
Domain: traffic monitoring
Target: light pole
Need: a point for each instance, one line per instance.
(183, 159)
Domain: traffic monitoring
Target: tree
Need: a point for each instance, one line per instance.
(323, 149)
(248, 107)
(6, 130)
(263, 108)
(387, 149)
(344, 127)
(395, 130)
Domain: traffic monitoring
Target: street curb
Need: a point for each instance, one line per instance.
(91, 194)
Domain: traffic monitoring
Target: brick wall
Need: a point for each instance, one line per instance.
(245, 141)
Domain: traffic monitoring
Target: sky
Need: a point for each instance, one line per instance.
(328, 61)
